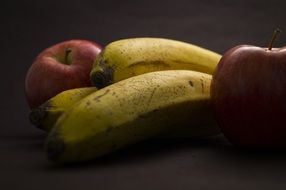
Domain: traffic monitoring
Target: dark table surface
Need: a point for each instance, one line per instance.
(28, 27)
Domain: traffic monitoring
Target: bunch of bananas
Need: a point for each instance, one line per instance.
(144, 87)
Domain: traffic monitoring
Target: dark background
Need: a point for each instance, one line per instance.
(27, 27)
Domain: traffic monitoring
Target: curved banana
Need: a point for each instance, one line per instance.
(130, 57)
(133, 110)
(46, 115)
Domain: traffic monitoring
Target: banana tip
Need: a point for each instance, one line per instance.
(101, 77)
(37, 115)
(98, 79)
(54, 147)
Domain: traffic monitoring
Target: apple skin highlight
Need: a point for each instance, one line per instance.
(61, 67)
(248, 94)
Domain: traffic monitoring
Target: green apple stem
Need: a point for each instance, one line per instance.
(274, 36)
(68, 51)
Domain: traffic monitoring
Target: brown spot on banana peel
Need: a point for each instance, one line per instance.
(191, 83)
(101, 95)
(151, 96)
(87, 104)
(148, 114)
(203, 86)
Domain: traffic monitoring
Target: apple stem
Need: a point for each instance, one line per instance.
(274, 36)
(68, 51)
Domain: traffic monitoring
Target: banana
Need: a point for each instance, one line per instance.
(130, 57)
(46, 115)
(130, 111)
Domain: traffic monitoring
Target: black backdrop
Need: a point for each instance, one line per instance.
(27, 27)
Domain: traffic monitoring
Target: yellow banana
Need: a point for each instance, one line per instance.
(133, 110)
(45, 116)
(130, 57)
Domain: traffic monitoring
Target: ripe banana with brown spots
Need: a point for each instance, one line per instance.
(123, 59)
(133, 110)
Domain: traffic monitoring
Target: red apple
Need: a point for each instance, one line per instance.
(61, 67)
(248, 93)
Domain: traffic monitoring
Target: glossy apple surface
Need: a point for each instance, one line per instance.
(248, 93)
(61, 67)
